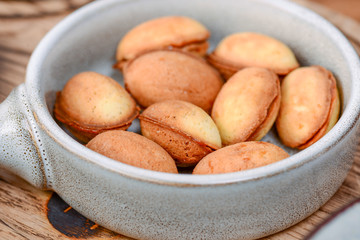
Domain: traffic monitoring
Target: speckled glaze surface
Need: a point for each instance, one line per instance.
(151, 205)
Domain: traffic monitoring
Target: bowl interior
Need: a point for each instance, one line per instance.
(87, 40)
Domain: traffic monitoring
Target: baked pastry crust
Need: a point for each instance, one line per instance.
(248, 49)
(239, 157)
(91, 103)
(309, 108)
(184, 130)
(247, 105)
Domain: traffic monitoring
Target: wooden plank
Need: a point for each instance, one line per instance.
(37, 8)
(25, 210)
(348, 7)
(25, 215)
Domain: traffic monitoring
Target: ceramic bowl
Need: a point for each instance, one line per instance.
(145, 204)
(344, 224)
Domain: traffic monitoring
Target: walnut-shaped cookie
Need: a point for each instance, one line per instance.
(184, 130)
(248, 49)
(171, 32)
(91, 103)
(247, 105)
(164, 75)
(309, 107)
(239, 157)
(133, 149)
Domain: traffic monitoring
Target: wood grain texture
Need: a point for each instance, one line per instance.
(37, 8)
(23, 214)
(23, 209)
(350, 8)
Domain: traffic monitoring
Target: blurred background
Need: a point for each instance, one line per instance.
(23, 23)
(35, 8)
(350, 8)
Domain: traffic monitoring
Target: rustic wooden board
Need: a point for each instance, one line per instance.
(29, 213)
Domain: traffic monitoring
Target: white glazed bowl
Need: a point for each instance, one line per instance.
(152, 205)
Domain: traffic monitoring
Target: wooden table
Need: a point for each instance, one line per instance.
(29, 213)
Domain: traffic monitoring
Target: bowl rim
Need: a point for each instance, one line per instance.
(345, 124)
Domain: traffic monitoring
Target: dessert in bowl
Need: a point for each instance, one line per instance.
(146, 204)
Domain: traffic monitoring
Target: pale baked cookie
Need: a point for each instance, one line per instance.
(239, 157)
(163, 75)
(249, 49)
(247, 105)
(133, 149)
(172, 32)
(184, 130)
(310, 106)
(91, 103)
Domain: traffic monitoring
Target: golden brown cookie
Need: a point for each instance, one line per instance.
(175, 32)
(239, 157)
(241, 50)
(163, 75)
(184, 130)
(91, 103)
(133, 149)
(247, 105)
(309, 108)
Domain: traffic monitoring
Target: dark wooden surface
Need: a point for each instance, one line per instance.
(29, 213)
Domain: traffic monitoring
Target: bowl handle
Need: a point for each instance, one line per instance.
(19, 142)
